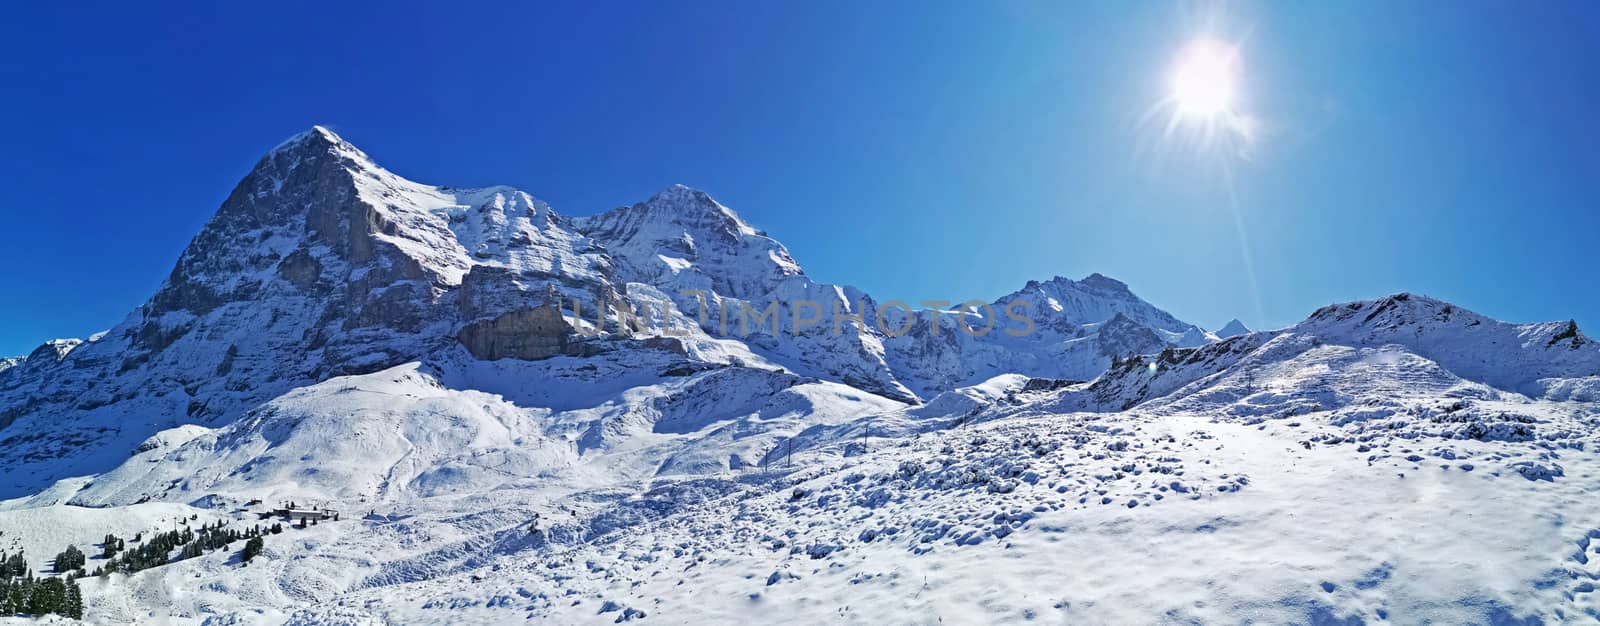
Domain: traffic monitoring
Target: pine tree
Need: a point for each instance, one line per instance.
(252, 548)
(72, 606)
(110, 546)
(16, 565)
(70, 559)
(47, 597)
(18, 598)
(22, 595)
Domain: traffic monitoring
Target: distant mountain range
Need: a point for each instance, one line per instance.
(321, 264)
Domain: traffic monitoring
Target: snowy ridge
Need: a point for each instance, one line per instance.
(1078, 326)
(1096, 299)
(683, 238)
(1454, 351)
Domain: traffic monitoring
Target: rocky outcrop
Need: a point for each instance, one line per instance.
(1122, 336)
(528, 334)
(300, 268)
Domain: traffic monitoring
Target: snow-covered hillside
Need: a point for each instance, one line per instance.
(430, 363)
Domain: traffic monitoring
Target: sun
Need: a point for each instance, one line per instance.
(1205, 80)
(1204, 106)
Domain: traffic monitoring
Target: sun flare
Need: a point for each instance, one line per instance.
(1205, 80)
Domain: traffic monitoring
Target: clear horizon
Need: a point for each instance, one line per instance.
(918, 152)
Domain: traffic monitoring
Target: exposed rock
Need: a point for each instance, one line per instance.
(668, 344)
(53, 351)
(1571, 332)
(1048, 384)
(491, 290)
(155, 336)
(536, 333)
(1121, 336)
(226, 365)
(301, 269)
(400, 306)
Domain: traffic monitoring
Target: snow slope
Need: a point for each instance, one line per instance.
(1106, 518)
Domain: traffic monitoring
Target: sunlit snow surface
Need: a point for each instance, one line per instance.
(1133, 517)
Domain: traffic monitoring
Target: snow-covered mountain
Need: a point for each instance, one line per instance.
(434, 363)
(318, 264)
(1233, 328)
(683, 238)
(1419, 338)
(322, 263)
(1077, 328)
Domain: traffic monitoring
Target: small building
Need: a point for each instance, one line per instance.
(316, 514)
(295, 515)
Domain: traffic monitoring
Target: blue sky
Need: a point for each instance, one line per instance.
(919, 150)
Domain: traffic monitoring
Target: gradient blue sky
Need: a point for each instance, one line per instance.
(915, 149)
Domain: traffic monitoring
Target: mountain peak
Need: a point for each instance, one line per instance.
(314, 136)
(1094, 283)
(682, 233)
(680, 189)
(1098, 298)
(324, 133)
(54, 349)
(1476, 347)
(679, 201)
(318, 140)
(1101, 282)
(1233, 328)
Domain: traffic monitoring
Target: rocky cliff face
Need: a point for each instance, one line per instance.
(528, 334)
(319, 263)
